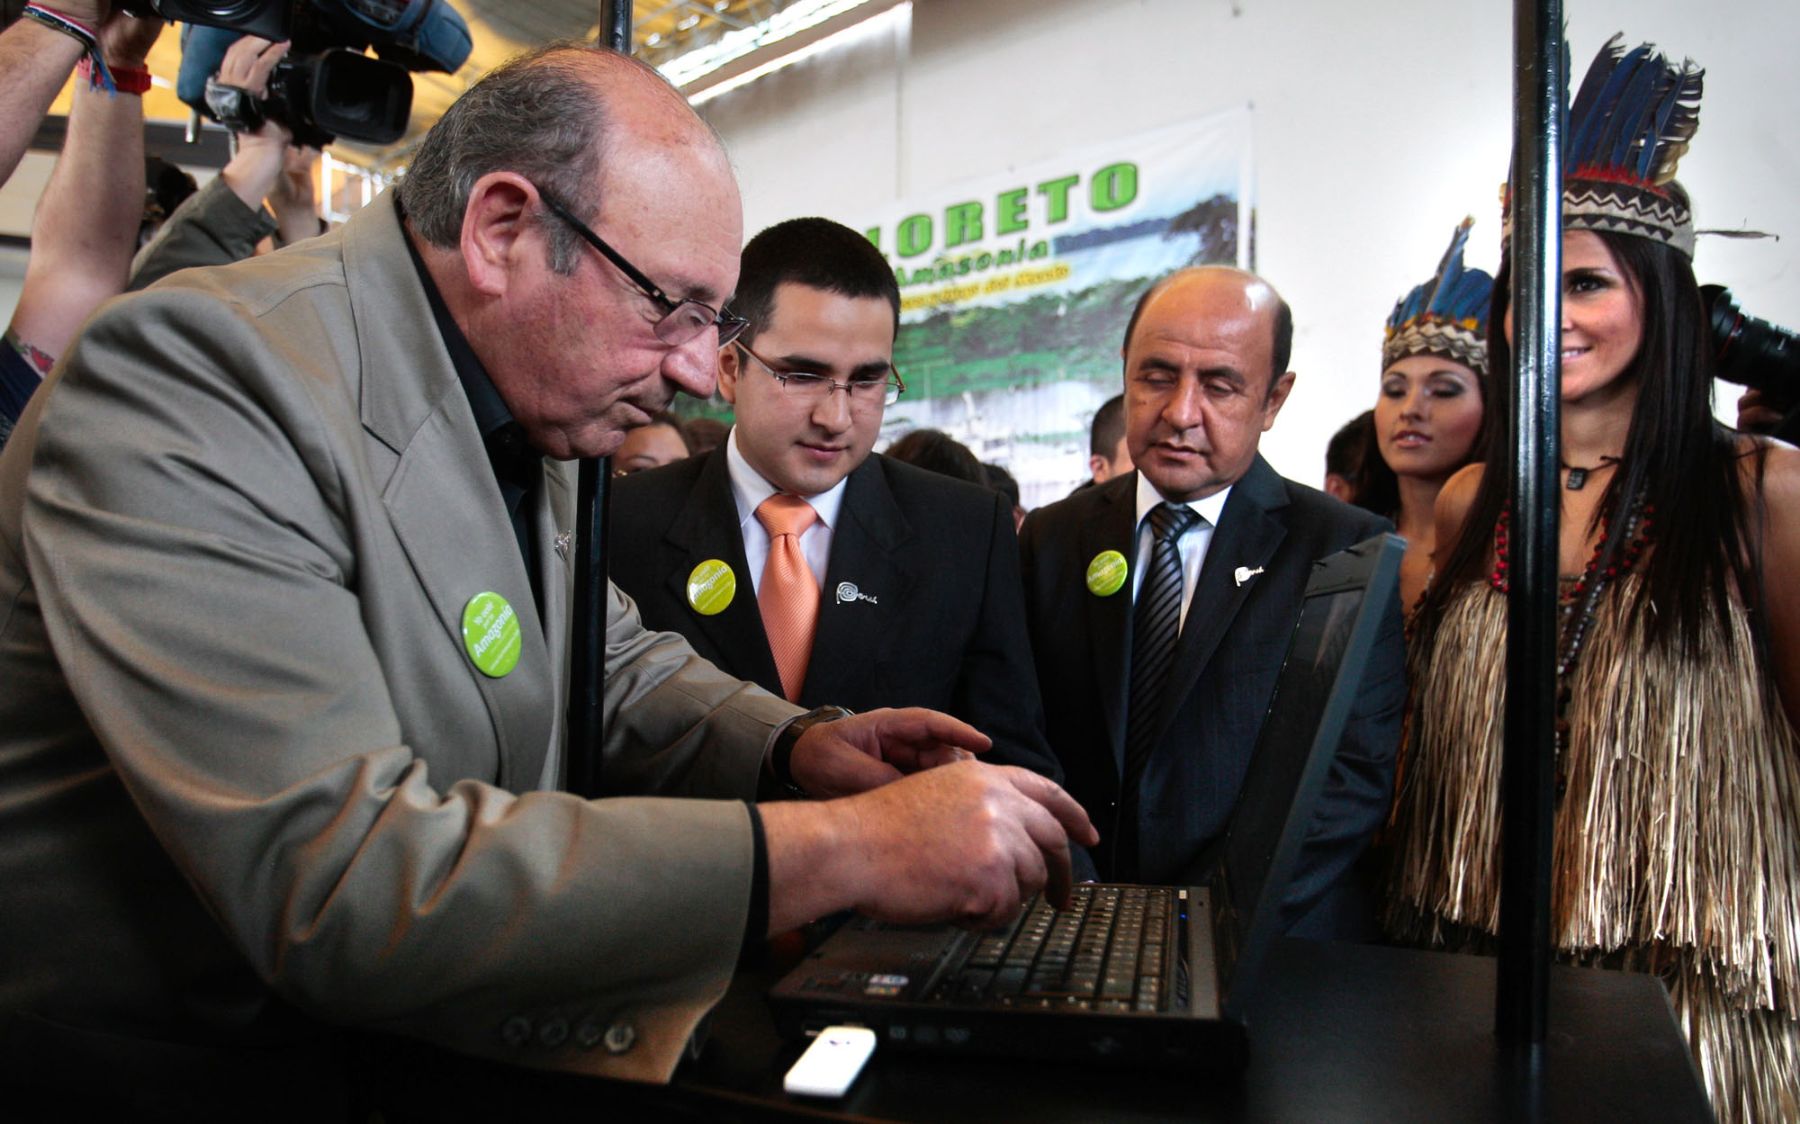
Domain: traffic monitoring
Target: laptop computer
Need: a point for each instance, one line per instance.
(1145, 976)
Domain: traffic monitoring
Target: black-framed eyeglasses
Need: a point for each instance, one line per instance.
(682, 320)
(861, 390)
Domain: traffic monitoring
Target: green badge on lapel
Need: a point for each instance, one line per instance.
(710, 587)
(490, 631)
(1106, 573)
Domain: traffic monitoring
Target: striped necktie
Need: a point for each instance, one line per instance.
(1155, 626)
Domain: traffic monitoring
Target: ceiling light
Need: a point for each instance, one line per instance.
(728, 48)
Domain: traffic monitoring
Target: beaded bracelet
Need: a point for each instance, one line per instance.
(98, 74)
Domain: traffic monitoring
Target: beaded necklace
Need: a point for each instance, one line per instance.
(1577, 604)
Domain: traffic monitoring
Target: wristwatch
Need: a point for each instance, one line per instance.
(783, 748)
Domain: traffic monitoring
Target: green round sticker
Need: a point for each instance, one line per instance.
(1106, 573)
(711, 586)
(491, 634)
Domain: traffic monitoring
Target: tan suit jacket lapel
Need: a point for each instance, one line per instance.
(440, 491)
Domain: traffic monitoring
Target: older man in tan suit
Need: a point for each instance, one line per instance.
(283, 608)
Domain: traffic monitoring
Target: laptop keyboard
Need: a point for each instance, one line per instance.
(1110, 951)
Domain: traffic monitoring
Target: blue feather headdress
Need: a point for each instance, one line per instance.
(1631, 121)
(1446, 316)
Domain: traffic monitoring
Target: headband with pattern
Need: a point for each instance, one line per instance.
(1632, 119)
(1446, 316)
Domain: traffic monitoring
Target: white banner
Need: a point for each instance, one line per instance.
(1015, 288)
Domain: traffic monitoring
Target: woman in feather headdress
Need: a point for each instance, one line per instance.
(1677, 837)
(1428, 413)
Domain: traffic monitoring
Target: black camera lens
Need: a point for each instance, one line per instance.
(361, 98)
(1750, 351)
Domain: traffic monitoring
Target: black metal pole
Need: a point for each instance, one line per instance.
(587, 642)
(615, 25)
(1528, 770)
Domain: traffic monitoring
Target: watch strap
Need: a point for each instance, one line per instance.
(781, 752)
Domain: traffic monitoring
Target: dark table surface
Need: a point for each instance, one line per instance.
(1339, 1033)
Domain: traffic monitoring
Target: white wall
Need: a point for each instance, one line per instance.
(1377, 127)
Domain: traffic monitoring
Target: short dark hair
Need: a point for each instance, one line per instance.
(1354, 454)
(1281, 346)
(664, 417)
(704, 434)
(937, 451)
(1108, 428)
(817, 253)
(1002, 481)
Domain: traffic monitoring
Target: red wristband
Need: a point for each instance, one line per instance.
(126, 79)
(130, 79)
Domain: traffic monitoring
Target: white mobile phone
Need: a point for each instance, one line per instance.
(829, 1066)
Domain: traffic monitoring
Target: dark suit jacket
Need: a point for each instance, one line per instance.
(945, 630)
(1226, 665)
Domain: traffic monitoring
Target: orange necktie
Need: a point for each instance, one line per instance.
(789, 594)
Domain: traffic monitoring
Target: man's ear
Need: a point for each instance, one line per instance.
(728, 373)
(498, 231)
(1278, 394)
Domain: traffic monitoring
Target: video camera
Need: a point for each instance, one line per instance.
(326, 87)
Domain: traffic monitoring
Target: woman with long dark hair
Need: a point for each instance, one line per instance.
(1677, 837)
(1428, 415)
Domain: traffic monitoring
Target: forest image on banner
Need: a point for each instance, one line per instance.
(1015, 287)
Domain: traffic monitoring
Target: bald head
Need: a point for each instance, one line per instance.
(1227, 287)
(1205, 377)
(561, 116)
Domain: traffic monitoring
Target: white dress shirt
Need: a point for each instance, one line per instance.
(749, 489)
(1192, 544)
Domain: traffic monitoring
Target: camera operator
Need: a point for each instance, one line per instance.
(86, 224)
(225, 220)
(1758, 412)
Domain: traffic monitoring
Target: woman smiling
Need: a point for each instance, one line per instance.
(1678, 658)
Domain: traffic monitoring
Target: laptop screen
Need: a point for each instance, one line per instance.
(1346, 597)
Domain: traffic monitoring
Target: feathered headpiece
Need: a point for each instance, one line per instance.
(1446, 316)
(1632, 119)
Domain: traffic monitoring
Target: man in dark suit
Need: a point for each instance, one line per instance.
(1206, 354)
(918, 574)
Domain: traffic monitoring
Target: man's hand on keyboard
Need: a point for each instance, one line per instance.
(867, 750)
(966, 842)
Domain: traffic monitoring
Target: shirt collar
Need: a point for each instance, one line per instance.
(749, 488)
(507, 447)
(1209, 508)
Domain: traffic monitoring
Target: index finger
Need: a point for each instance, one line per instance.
(930, 731)
(1054, 865)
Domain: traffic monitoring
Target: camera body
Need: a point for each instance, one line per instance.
(326, 87)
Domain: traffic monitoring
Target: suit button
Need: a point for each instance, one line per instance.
(553, 1033)
(589, 1034)
(620, 1037)
(516, 1031)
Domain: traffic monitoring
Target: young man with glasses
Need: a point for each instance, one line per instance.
(915, 575)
